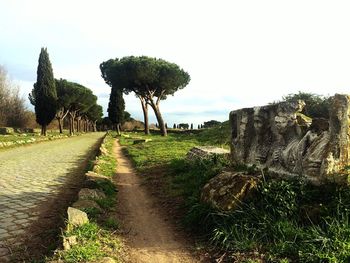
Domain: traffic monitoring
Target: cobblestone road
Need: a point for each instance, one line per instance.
(29, 176)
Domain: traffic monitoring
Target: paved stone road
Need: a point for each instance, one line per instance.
(29, 175)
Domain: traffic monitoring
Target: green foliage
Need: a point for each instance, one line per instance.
(150, 79)
(212, 123)
(220, 135)
(183, 126)
(127, 116)
(111, 223)
(44, 95)
(87, 231)
(316, 105)
(92, 212)
(106, 203)
(275, 222)
(95, 112)
(107, 162)
(93, 244)
(116, 106)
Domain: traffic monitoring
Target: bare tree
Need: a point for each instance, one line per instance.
(12, 106)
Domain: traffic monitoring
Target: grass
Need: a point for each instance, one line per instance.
(107, 163)
(162, 151)
(93, 244)
(286, 221)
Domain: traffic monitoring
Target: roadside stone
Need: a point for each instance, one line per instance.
(104, 260)
(103, 150)
(87, 193)
(142, 141)
(69, 242)
(228, 190)
(6, 130)
(76, 217)
(94, 176)
(86, 204)
(205, 152)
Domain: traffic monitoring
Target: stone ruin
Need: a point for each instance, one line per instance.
(286, 142)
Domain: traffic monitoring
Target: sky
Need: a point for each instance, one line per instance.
(238, 53)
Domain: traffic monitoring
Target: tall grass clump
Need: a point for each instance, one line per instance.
(286, 219)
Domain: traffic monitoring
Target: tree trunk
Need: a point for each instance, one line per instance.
(78, 123)
(159, 117)
(145, 114)
(60, 115)
(60, 124)
(43, 130)
(71, 122)
(117, 126)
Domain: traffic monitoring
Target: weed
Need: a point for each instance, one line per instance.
(92, 212)
(107, 187)
(83, 252)
(106, 203)
(111, 223)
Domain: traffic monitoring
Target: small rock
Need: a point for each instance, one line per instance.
(82, 204)
(227, 190)
(76, 217)
(142, 141)
(204, 152)
(92, 175)
(104, 260)
(87, 193)
(69, 242)
(103, 150)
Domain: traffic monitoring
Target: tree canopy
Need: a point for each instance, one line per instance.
(151, 79)
(116, 107)
(210, 124)
(316, 106)
(44, 95)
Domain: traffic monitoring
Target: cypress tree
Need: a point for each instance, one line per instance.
(116, 107)
(44, 95)
(174, 127)
(191, 126)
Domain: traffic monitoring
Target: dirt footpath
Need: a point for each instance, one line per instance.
(149, 236)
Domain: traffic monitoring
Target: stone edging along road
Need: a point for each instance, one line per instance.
(26, 140)
(33, 179)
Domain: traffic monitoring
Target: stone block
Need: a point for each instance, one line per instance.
(76, 217)
(289, 144)
(137, 141)
(86, 193)
(228, 190)
(69, 242)
(6, 130)
(206, 152)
